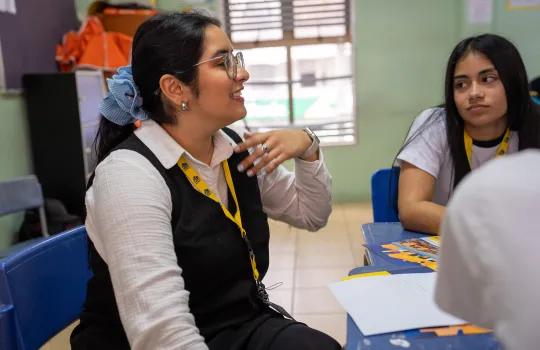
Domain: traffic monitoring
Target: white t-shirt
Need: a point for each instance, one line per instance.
(428, 150)
(489, 264)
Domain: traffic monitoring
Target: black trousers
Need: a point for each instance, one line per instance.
(270, 331)
(300, 336)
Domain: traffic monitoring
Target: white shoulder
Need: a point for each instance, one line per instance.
(431, 121)
(130, 178)
(513, 173)
(123, 163)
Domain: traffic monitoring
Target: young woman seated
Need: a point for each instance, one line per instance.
(177, 210)
(487, 113)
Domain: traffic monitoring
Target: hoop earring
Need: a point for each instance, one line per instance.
(184, 106)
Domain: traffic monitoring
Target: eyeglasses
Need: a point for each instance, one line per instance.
(232, 63)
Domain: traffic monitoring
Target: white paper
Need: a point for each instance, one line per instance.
(383, 304)
(524, 3)
(480, 11)
(2, 72)
(8, 6)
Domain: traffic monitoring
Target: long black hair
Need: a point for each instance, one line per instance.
(522, 116)
(169, 43)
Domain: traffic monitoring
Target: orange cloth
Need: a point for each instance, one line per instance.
(92, 47)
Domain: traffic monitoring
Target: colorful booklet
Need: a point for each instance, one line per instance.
(410, 252)
(425, 246)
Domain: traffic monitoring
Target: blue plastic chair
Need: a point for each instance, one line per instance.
(20, 194)
(42, 289)
(384, 191)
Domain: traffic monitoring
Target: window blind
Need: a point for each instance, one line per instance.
(258, 20)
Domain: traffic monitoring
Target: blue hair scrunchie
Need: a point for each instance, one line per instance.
(123, 103)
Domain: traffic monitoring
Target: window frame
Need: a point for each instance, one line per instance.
(288, 42)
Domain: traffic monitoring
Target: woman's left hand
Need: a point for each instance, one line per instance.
(272, 148)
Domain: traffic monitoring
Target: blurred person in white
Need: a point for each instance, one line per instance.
(489, 262)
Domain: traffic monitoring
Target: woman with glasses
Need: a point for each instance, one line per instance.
(178, 204)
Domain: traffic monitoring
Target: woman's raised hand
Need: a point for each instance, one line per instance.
(272, 148)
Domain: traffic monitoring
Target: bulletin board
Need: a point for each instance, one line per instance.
(29, 37)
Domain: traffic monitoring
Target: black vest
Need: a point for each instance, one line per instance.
(213, 257)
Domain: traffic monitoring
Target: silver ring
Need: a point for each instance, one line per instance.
(265, 148)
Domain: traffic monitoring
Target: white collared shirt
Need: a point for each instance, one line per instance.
(129, 221)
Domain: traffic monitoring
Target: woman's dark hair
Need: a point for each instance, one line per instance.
(522, 115)
(169, 43)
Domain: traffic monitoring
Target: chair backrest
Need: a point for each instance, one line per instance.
(42, 289)
(384, 191)
(20, 194)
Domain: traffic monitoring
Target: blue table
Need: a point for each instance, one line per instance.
(383, 232)
(411, 339)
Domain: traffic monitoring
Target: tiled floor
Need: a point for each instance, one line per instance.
(306, 262)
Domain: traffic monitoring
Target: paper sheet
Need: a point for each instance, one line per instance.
(523, 4)
(2, 71)
(8, 6)
(479, 11)
(383, 304)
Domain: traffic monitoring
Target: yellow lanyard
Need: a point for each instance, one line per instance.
(501, 150)
(201, 186)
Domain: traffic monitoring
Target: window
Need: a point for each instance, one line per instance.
(299, 55)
